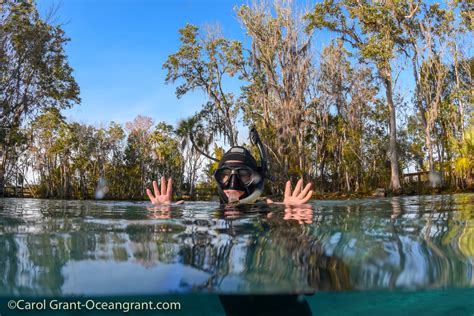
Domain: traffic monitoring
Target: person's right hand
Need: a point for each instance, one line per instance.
(163, 197)
(299, 196)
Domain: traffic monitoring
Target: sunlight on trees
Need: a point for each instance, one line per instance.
(335, 117)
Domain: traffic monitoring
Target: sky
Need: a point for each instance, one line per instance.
(117, 50)
(118, 47)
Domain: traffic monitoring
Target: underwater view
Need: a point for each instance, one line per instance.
(352, 250)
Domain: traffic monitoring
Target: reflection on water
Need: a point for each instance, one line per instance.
(111, 248)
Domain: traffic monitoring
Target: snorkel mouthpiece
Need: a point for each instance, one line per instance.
(252, 197)
(233, 199)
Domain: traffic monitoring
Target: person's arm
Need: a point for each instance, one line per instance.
(298, 197)
(164, 196)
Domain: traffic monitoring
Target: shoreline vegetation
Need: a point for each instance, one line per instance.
(386, 107)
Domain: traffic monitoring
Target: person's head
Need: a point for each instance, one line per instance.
(238, 177)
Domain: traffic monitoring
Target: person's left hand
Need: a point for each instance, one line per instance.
(163, 197)
(298, 196)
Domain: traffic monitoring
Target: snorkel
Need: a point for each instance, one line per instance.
(255, 140)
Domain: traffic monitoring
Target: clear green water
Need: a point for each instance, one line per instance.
(395, 255)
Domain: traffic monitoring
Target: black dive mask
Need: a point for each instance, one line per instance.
(236, 177)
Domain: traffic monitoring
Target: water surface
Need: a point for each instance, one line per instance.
(63, 248)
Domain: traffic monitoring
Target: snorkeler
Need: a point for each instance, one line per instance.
(239, 179)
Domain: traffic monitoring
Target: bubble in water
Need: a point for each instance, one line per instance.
(101, 189)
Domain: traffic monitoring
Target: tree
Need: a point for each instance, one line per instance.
(373, 29)
(192, 140)
(115, 168)
(345, 95)
(34, 71)
(426, 32)
(138, 153)
(50, 153)
(278, 71)
(167, 161)
(204, 63)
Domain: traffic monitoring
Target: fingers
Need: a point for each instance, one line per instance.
(169, 190)
(163, 186)
(307, 197)
(155, 188)
(297, 190)
(150, 195)
(305, 191)
(288, 189)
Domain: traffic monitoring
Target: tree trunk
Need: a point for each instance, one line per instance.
(458, 86)
(429, 146)
(301, 157)
(321, 172)
(3, 165)
(395, 180)
(4, 150)
(348, 182)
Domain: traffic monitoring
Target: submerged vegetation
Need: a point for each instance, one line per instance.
(338, 117)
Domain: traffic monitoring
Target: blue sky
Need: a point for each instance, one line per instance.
(118, 47)
(117, 50)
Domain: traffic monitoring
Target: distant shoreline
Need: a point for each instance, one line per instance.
(316, 197)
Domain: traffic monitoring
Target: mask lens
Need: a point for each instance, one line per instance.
(223, 175)
(245, 176)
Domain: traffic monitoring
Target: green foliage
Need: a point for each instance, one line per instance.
(202, 63)
(211, 167)
(35, 73)
(321, 117)
(36, 62)
(71, 158)
(166, 159)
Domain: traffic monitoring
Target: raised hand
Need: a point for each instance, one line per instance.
(298, 196)
(161, 197)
